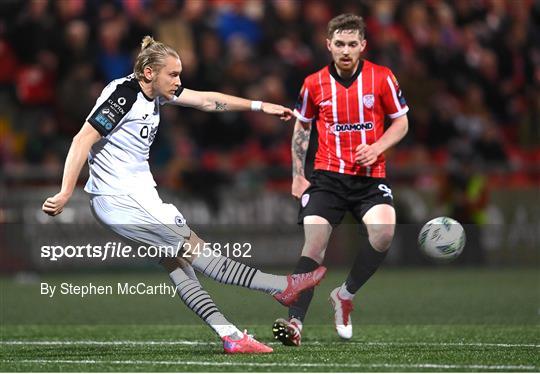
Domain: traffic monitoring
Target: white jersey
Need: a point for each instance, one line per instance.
(128, 121)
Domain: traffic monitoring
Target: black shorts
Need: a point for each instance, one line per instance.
(332, 194)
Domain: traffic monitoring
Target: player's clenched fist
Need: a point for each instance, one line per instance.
(55, 205)
(366, 154)
(277, 110)
(299, 185)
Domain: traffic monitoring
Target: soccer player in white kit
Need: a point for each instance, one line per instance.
(116, 139)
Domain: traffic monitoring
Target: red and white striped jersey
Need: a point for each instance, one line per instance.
(348, 113)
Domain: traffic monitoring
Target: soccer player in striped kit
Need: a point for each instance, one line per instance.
(348, 100)
(116, 138)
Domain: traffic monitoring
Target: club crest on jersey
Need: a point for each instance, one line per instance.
(348, 127)
(305, 199)
(368, 100)
(180, 221)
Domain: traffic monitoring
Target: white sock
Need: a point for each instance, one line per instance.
(269, 283)
(223, 328)
(344, 294)
(227, 271)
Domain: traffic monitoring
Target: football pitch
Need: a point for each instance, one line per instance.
(424, 319)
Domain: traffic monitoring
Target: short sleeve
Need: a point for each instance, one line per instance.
(393, 101)
(112, 106)
(305, 108)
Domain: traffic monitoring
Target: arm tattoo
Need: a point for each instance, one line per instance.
(300, 142)
(220, 106)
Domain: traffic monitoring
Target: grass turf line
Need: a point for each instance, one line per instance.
(490, 324)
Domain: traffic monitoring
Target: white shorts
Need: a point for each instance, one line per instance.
(142, 217)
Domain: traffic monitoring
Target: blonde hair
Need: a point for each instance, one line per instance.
(152, 54)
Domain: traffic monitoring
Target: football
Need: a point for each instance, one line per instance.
(442, 239)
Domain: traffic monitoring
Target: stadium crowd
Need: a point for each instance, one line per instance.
(470, 70)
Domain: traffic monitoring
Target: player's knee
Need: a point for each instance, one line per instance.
(382, 238)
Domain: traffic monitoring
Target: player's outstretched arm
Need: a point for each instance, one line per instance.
(218, 102)
(299, 147)
(367, 154)
(78, 152)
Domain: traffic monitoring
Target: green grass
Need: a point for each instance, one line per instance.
(440, 319)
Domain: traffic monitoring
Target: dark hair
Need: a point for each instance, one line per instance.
(347, 21)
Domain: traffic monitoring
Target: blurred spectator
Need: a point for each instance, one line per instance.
(465, 194)
(469, 69)
(114, 61)
(76, 48)
(8, 61)
(211, 67)
(490, 147)
(238, 19)
(45, 147)
(173, 30)
(33, 32)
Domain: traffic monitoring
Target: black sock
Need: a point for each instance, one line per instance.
(365, 264)
(299, 309)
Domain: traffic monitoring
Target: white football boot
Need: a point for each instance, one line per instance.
(342, 314)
